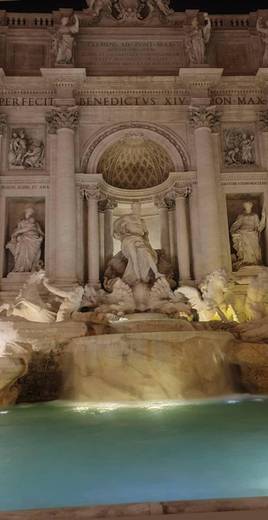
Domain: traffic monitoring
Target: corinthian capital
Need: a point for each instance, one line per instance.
(160, 202)
(263, 120)
(59, 118)
(3, 123)
(204, 117)
(91, 192)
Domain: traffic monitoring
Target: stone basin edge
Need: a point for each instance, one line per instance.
(152, 509)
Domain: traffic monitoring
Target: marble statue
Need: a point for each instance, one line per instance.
(28, 304)
(126, 10)
(96, 7)
(239, 147)
(14, 359)
(255, 308)
(210, 300)
(197, 41)
(17, 147)
(25, 152)
(262, 28)
(25, 243)
(63, 41)
(206, 29)
(133, 281)
(245, 232)
(72, 300)
(141, 258)
(34, 156)
(147, 7)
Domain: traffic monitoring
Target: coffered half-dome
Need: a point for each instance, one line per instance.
(135, 162)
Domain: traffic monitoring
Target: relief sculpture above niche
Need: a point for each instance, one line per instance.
(239, 148)
(26, 149)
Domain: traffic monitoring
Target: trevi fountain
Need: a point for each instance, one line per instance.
(133, 254)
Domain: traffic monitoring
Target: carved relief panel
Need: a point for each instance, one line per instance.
(26, 148)
(25, 235)
(239, 147)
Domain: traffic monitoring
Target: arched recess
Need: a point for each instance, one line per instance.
(171, 142)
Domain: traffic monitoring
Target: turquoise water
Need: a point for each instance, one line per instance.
(57, 455)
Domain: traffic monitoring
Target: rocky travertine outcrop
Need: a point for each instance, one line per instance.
(147, 366)
(252, 360)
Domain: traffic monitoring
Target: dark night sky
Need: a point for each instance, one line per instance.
(212, 6)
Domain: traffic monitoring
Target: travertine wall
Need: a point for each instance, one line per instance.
(66, 118)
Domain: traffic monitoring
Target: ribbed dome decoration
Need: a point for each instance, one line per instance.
(135, 162)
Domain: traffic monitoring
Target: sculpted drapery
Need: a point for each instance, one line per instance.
(245, 232)
(25, 243)
(142, 259)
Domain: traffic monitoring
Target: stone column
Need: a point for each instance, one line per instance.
(182, 232)
(108, 230)
(101, 236)
(64, 122)
(172, 232)
(3, 128)
(3, 217)
(92, 195)
(203, 119)
(264, 129)
(263, 125)
(161, 204)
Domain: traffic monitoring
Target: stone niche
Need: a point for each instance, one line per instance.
(14, 213)
(235, 207)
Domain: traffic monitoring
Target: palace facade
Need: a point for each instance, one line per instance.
(113, 106)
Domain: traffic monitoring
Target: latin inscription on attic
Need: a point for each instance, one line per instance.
(131, 55)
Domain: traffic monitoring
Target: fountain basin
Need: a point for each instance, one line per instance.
(74, 455)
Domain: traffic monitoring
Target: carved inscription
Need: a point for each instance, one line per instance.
(9, 101)
(237, 99)
(133, 99)
(132, 55)
(147, 98)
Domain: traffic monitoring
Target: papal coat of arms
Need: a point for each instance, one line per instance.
(128, 10)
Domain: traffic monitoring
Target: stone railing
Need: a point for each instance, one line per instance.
(46, 20)
(230, 22)
(19, 20)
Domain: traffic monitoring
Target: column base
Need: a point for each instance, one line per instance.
(186, 281)
(65, 283)
(94, 284)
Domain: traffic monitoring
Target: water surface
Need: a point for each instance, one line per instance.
(54, 455)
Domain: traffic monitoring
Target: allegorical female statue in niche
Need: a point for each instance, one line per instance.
(25, 243)
(245, 232)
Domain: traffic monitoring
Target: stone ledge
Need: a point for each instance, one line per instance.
(154, 510)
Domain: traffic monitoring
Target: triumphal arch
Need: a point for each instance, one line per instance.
(126, 107)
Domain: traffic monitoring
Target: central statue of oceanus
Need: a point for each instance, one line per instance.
(141, 258)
